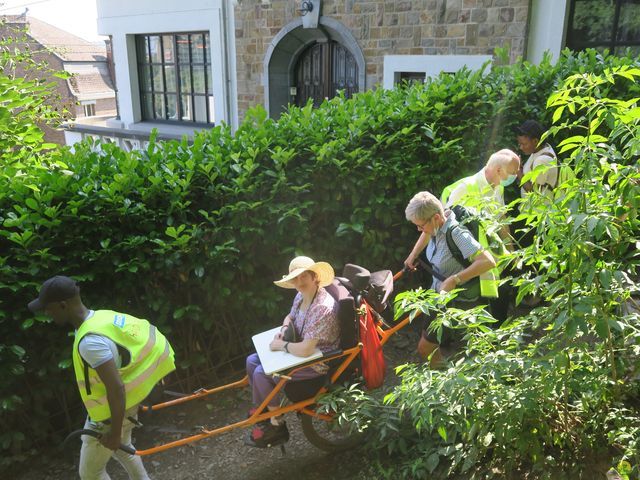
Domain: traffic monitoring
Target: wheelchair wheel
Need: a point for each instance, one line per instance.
(330, 436)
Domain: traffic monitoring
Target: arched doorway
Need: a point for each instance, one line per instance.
(329, 55)
(323, 69)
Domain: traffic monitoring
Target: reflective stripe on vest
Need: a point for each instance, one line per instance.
(151, 358)
(490, 280)
(134, 383)
(146, 350)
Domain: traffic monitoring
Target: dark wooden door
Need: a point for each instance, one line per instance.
(322, 70)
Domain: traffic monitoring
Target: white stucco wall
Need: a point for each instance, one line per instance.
(123, 19)
(431, 65)
(547, 27)
(72, 137)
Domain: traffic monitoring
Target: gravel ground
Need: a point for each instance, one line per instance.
(225, 456)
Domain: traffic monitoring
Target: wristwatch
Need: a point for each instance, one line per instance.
(456, 277)
(286, 347)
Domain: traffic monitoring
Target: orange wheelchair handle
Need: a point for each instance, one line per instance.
(399, 274)
(93, 433)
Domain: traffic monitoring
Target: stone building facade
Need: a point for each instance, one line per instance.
(270, 39)
(279, 52)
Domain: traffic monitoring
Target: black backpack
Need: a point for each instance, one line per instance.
(468, 220)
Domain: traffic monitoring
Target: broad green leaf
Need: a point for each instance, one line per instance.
(18, 350)
(602, 328)
(432, 462)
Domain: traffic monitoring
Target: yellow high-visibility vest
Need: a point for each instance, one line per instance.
(490, 280)
(151, 358)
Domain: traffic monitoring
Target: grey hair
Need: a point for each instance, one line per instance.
(422, 207)
(502, 158)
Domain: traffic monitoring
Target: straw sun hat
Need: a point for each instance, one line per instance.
(302, 264)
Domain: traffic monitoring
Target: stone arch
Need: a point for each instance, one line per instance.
(284, 50)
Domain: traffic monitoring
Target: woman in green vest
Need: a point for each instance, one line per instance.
(117, 360)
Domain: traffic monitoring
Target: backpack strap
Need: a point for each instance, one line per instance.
(87, 384)
(453, 247)
(427, 266)
(457, 255)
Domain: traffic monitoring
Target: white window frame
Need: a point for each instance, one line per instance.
(85, 103)
(431, 65)
(123, 20)
(547, 29)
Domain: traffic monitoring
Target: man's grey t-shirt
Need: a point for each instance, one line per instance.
(96, 349)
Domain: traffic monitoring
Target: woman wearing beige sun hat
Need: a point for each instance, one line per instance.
(298, 265)
(313, 317)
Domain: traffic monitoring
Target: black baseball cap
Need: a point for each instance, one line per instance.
(56, 289)
(531, 129)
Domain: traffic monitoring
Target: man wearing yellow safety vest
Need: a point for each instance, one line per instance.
(484, 192)
(117, 360)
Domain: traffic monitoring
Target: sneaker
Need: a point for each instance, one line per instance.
(265, 434)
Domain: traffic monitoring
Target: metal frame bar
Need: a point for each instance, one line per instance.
(301, 407)
(350, 354)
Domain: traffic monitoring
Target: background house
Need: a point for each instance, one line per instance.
(89, 92)
(183, 66)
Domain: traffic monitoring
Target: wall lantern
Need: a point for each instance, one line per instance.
(305, 8)
(310, 12)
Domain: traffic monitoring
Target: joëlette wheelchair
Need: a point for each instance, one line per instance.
(350, 292)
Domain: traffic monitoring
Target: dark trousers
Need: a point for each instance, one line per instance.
(499, 307)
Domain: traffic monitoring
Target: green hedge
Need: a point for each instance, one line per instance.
(190, 235)
(553, 393)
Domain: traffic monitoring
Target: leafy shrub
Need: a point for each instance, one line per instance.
(553, 394)
(190, 235)
(26, 105)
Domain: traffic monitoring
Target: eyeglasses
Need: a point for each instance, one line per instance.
(421, 226)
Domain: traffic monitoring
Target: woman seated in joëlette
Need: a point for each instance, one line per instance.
(313, 316)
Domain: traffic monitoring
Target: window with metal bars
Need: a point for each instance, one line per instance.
(604, 24)
(174, 71)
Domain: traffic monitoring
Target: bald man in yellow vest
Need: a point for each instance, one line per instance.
(484, 192)
(486, 187)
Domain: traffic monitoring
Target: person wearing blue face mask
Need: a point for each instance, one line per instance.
(485, 191)
(509, 180)
(486, 188)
